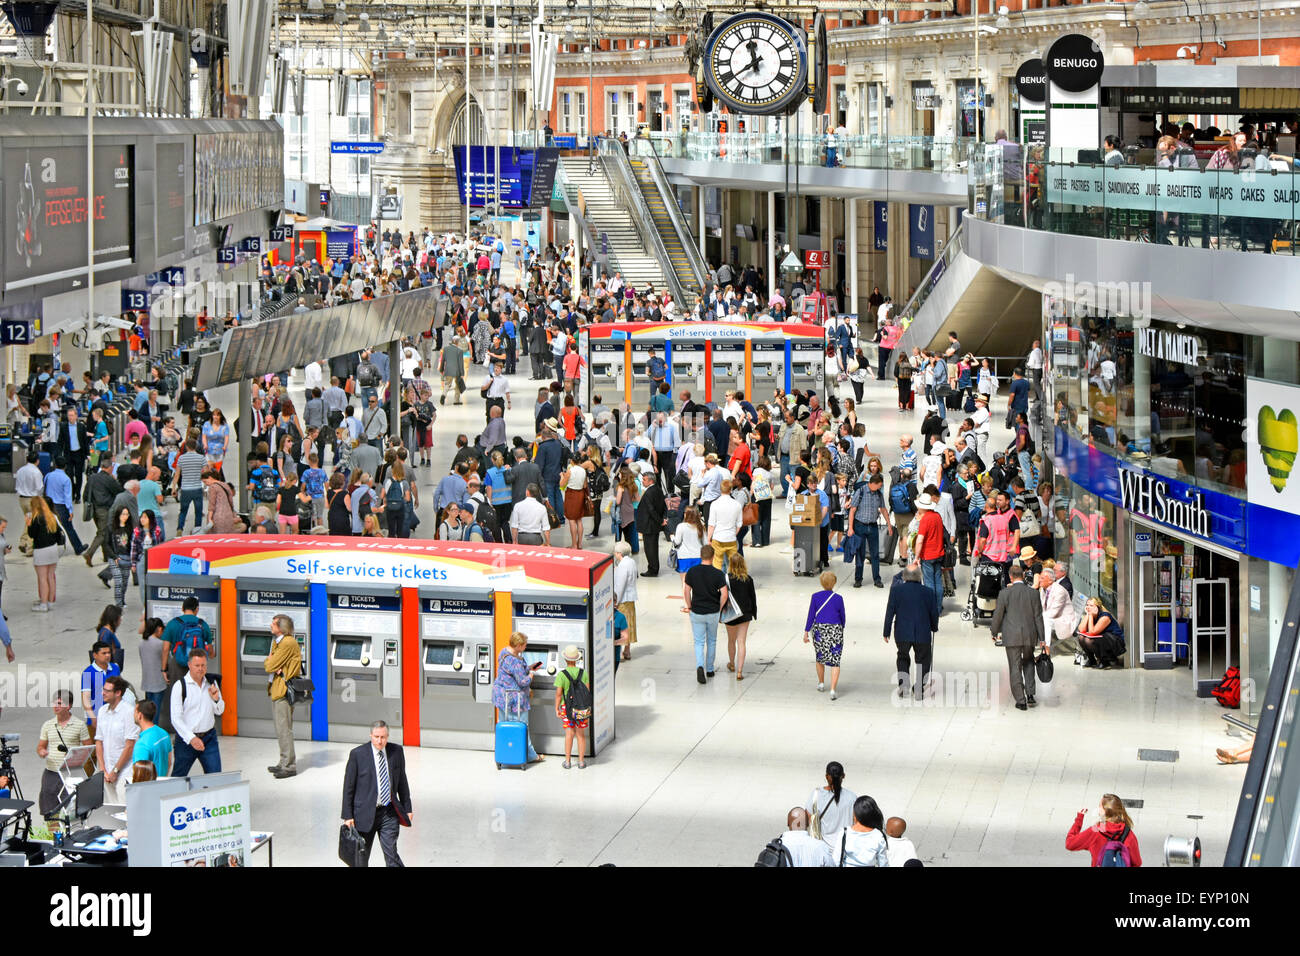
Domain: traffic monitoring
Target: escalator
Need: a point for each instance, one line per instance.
(683, 255)
(679, 260)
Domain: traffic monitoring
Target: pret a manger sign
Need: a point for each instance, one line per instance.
(1170, 346)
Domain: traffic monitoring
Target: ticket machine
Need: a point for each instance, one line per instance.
(728, 368)
(551, 622)
(688, 368)
(365, 660)
(808, 365)
(257, 602)
(167, 592)
(768, 372)
(606, 365)
(640, 362)
(456, 662)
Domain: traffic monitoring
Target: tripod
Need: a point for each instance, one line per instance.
(22, 820)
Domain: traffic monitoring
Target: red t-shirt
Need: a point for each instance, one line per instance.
(931, 527)
(572, 365)
(740, 460)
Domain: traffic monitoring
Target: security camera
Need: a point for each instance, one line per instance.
(21, 87)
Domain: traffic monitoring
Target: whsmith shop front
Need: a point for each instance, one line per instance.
(1173, 455)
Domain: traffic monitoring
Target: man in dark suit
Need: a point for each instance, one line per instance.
(651, 513)
(914, 618)
(376, 798)
(74, 446)
(1017, 625)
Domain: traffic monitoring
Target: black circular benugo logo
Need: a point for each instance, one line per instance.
(1031, 81)
(1074, 63)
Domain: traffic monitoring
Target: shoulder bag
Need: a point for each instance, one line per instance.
(815, 821)
(749, 514)
(732, 611)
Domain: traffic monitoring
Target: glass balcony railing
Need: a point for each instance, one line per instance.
(853, 152)
(1254, 207)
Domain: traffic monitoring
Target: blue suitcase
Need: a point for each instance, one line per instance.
(511, 744)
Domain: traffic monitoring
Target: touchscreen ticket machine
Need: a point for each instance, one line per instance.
(456, 660)
(688, 367)
(728, 368)
(365, 665)
(167, 592)
(768, 369)
(551, 622)
(605, 359)
(808, 366)
(257, 602)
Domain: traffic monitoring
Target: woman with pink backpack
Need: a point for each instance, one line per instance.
(1111, 841)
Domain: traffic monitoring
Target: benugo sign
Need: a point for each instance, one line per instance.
(1150, 497)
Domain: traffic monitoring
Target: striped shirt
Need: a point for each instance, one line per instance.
(190, 468)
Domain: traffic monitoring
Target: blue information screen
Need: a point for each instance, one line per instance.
(525, 174)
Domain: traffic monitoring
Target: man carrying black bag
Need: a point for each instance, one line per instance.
(376, 797)
(283, 664)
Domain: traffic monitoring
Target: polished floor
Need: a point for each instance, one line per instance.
(704, 775)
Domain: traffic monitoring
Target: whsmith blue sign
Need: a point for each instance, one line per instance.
(527, 175)
(1213, 516)
(366, 148)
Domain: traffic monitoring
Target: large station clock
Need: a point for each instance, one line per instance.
(757, 63)
(819, 71)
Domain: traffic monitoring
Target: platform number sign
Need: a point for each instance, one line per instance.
(226, 254)
(281, 233)
(817, 259)
(15, 332)
(135, 300)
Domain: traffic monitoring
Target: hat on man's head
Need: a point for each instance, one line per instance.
(925, 503)
(552, 424)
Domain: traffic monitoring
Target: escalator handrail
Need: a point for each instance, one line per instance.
(702, 273)
(1267, 752)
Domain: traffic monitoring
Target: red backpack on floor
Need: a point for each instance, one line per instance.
(1228, 690)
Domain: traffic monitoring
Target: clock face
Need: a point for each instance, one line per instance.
(756, 63)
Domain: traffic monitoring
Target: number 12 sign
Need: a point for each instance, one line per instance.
(15, 332)
(817, 259)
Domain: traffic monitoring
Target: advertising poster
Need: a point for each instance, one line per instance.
(1272, 440)
(46, 189)
(602, 653)
(169, 199)
(206, 827)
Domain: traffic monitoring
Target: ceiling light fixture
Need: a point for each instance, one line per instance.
(315, 6)
(1185, 51)
(363, 23)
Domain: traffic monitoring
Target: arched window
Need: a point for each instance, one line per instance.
(477, 126)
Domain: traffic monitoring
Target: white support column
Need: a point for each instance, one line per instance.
(773, 280)
(851, 250)
(700, 192)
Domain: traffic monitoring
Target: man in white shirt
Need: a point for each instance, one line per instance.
(726, 518)
(115, 733)
(410, 361)
(196, 703)
(982, 421)
(901, 849)
(311, 374)
(710, 482)
(1034, 362)
(28, 483)
(882, 313)
(804, 849)
(528, 519)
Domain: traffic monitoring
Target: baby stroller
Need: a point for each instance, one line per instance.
(985, 584)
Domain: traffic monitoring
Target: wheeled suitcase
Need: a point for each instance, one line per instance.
(511, 744)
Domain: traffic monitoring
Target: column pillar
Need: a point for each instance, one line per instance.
(699, 191)
(395, 394)
(244, 431)
(851, 253)
(773, 280)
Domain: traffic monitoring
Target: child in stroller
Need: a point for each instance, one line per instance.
(987, 580)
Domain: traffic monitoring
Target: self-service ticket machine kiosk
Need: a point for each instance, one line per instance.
(808, 366)
(365, 663)
(728, 368)
(688, 367)
(768, 372)
(456, 661)
(551, 622)
(257, 602)
(640, 363)
(605, 360)
(167, 592)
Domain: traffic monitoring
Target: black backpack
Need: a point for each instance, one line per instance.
(368, 374)
(577, 698)
(485, 516)
(267, 488)
(775, 853)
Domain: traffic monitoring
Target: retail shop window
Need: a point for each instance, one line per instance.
(1169, 399)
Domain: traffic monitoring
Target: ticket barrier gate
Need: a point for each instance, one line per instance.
(606, 368)
(365, 660)
(551, 623)
(456, 668)
(257, 602)
(808, 366)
